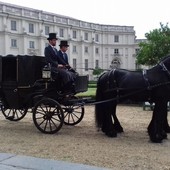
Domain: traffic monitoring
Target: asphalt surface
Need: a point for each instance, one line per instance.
(20, 162)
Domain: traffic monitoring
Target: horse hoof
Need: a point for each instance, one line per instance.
(167, 129)
(111, 134)
(156, 139)
(118, 129)
(164, 135)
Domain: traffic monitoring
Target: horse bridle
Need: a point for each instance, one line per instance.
(164, 68)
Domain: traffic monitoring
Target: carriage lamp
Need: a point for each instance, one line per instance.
(46, 72)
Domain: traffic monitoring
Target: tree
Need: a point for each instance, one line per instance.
(156, 46)
(97, 71)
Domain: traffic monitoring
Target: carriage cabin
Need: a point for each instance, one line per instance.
(17, 76)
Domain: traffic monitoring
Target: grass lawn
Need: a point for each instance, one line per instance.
(90, 92)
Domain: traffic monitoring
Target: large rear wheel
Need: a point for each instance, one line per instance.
(48, 116)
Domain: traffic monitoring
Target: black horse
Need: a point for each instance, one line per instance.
(151, 85)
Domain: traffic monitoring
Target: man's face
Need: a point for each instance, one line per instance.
(53, 42)
(64, 48)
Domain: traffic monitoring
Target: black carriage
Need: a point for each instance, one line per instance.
(25, 86)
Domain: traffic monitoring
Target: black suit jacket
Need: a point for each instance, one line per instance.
(51, 56)
(61, 59)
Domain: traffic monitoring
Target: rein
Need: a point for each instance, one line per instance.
(149, 87)
(129, 94)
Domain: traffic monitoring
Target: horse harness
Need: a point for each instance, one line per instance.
(164, 68)
(112, 85)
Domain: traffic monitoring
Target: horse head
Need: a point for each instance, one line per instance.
(165, 62)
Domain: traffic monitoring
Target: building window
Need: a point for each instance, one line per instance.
(116, 38)
(31, 28)
(47, 30)
(86, 65)
(74, 63)
(116, 51)
(61, 32)
(86, 49)
(86, 36)
(13, 25)
(74, 49)
(97, 37)
(13, 43)
(97, 50)
(97, 64)
(137, 51)
(74, 34)
(31, 44)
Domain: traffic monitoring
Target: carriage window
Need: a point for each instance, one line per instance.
(74, 34)
(31, 28)
(61, 32)
(74, 63)
(116, 38)
(86, 36)
(86, 65)
(13, 25)
(13, 43)
(31, 44)
(97, 64)
(74, 49)
(47, 30)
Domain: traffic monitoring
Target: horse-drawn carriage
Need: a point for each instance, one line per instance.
(26, 86)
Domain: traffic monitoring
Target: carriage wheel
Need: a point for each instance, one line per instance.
(14, 114)
(73, 114)
(48, 116)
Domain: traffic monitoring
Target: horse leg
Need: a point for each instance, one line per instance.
(155, 128)
(107, 126)
(166, 126)
(117, 126)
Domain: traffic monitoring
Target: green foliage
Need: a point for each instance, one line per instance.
(97, 71)
(92, 85)
(156, 46)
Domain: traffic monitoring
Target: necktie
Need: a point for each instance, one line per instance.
(55, 51)
(64, 56)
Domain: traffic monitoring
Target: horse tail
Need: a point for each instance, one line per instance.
(98, 107)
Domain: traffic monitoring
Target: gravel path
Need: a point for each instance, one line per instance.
(84, 144)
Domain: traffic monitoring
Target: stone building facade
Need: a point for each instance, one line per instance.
(25, 30)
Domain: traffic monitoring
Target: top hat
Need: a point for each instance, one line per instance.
(64, 43)
(52, 36)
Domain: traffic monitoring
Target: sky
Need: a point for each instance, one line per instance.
(144, 15)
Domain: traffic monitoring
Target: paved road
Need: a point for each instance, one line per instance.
(18, 162)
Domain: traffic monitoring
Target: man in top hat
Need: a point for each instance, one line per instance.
(51, 55)
(63, 57)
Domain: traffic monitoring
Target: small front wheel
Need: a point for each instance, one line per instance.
(48, 116)
(73, 114)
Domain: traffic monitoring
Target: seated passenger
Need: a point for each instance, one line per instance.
(63, 57)
(51, 55)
